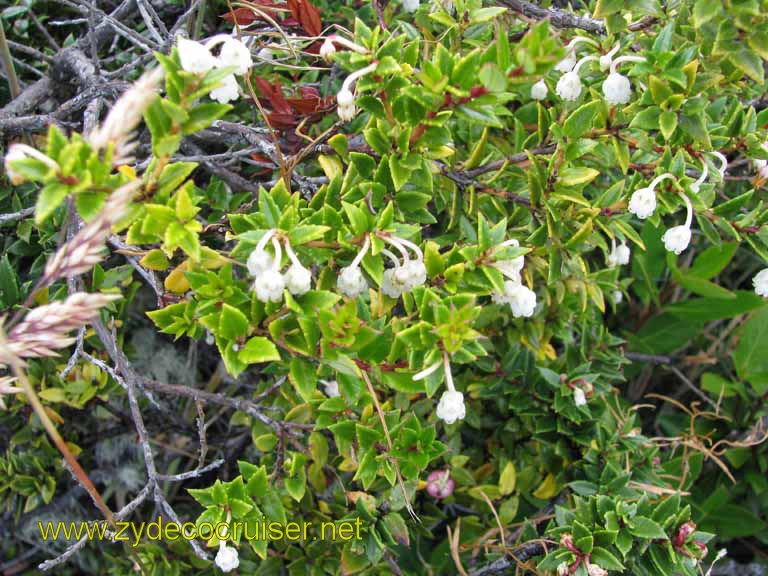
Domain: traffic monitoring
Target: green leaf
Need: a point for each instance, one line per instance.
(507, 479)
(258, 349)
(400, 173)
(232, 324)
(485, 14)
(580, 121)
(646, 528)
(306, 233)
(668, 123)
(710, 309)
(577, 176)
(605, 8)
(203, 115)
(9, 286)
(749, 357)
(704, 11)
(303, 377)
(749, 63)
(357, 219)
(711, 261)
(605, 559)
(50, 198)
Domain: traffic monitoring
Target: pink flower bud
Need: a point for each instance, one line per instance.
(440, 484)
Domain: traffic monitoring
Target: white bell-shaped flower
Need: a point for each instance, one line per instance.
(227, 91)
(521, 299)
(194, 56)
(406, 276)
(417, 273)
(539, 90)
(345, 99)
(227, 558)
(563, 569)
(617, 296)
(619, 255)
(617, 89)
(607, 59)
(566, 64)
(643, 203)
(390, 286)
(677, 239)
(298, 280)
(569, 86)
(351, 281)
(331, 388)
(760, 282)
(410, 5)
(579, 398)
(234, 53)
(569, 61)
(327, 49)
(393, 283)
(269, 285)
(259, 260)
(451, 407)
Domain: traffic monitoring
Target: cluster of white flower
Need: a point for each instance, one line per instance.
(269, 282)
(451, 406)
(521, 299)
(351, 281)
(405, 276)
(616, 87)
(197, 57)
(619, 255)
(345, 99)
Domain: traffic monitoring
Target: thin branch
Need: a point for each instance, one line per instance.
(559, 18)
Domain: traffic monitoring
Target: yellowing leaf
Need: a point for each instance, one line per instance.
(331, 166)
(176, 281)
(507, 479)
(547, 489)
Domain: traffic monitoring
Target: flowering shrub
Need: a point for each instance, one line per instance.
(487, 281)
